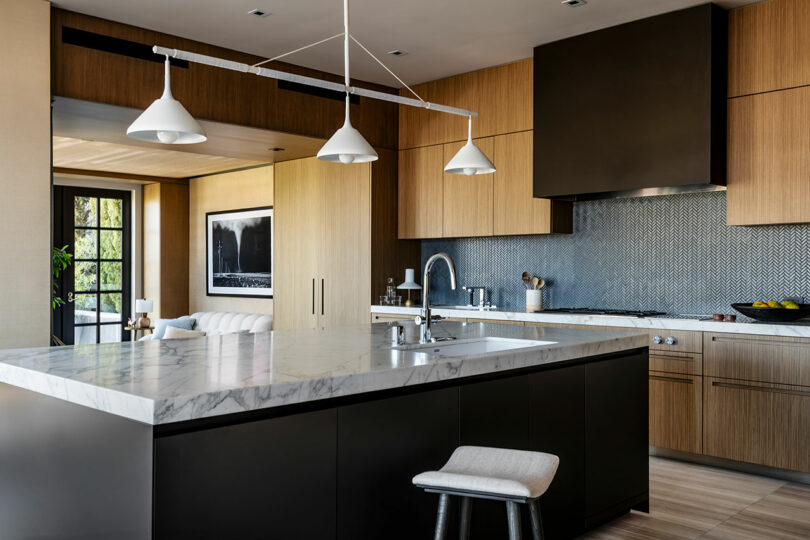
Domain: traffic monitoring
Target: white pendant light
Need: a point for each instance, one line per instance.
(347, 145)
(470, 159)
(166, 121)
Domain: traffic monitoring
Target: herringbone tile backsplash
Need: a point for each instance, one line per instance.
(670, 253)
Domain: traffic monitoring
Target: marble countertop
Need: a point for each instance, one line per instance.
(159, 382)
(798, 329)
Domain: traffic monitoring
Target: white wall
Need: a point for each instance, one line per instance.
(25, 173)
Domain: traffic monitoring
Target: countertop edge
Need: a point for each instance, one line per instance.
(643, 323)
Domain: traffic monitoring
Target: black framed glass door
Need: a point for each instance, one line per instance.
(96, 226)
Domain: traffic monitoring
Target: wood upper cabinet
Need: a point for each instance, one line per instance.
(676, 405)
(501, 95)
(515, 209)
(468, 206)
(769, 47)
(769, 158)
(421, 192)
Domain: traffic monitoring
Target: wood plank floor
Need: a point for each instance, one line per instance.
(694, 501)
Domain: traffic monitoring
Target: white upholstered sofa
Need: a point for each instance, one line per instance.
(215, 323)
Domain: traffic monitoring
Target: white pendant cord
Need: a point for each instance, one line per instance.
(167, 80)
(346, 44)
(394, 75)
(299, 49)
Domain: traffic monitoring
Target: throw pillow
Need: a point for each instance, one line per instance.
(172, 332)
(186, 323)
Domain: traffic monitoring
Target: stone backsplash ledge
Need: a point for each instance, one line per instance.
(670, 253)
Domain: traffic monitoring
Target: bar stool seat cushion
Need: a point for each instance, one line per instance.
(493, 471)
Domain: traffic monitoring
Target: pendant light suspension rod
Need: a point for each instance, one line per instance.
(394, 75)
(346, 47)
(308, 81)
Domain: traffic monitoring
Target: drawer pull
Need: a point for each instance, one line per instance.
(760, 341)
(671, 379)
(761, 389)
(671, 357)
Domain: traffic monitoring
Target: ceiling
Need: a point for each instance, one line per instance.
(92, 136)
(442, 38)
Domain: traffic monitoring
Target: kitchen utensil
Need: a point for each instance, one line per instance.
(541, 284)
(526, 282)
(768, 314)
(535, 282)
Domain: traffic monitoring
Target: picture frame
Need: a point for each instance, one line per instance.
(239, 252)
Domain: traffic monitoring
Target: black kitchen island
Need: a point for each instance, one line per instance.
(311, 434)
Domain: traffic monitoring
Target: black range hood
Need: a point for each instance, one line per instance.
(635, 109)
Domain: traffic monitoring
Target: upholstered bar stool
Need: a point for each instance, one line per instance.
(475, 472)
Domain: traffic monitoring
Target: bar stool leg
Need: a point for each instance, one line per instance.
(441, 517)
(537, 521)
(513, 516)
(466, 511)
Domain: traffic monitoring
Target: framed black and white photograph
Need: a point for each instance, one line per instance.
(239, 253)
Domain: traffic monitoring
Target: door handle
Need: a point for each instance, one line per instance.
(313, 296)
(322, 280)
(671, 379)
(761, 389)
(70, 297)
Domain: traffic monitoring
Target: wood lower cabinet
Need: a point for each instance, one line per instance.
(763, 423)
(771, 359)
(331, 261)
(676, 406)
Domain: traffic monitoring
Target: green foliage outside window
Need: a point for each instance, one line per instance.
(105, 244)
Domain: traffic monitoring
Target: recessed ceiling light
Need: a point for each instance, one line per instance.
(259, 13)
(277, 149)
(574, 3)
(397, 52)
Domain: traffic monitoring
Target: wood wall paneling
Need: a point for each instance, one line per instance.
(468, 200)
(389, 256)
(250, 188)
(166, 248)
(421, 192)
(769, 158)
(769, 47)
(207, 92)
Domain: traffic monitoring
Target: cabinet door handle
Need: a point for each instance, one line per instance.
(761, 389)
(755, 341)
(322, 280)
(313, 296)
(672, 357)
(671, 379)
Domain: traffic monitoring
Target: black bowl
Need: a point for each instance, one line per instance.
(768, 314)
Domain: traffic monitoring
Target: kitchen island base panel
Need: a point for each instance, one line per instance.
(336, 468)
(68, 471)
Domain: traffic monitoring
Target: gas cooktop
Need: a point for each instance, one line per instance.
(614, 312)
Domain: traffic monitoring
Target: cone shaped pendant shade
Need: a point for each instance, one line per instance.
(347, 145)
(470, 159)
(166, 121)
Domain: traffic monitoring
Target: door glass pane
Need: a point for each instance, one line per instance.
(84, 308)
(83, 335)
(85, 244)
(84, 211)
(111, 212)
(85, 277)
(111, 278)
(110, 333)
(110, 307)
(111, 244)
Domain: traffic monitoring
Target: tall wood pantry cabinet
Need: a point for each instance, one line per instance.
(335, 240)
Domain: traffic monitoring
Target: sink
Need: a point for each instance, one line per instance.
(471, 347)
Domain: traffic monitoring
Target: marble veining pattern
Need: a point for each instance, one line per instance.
(159, 382)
